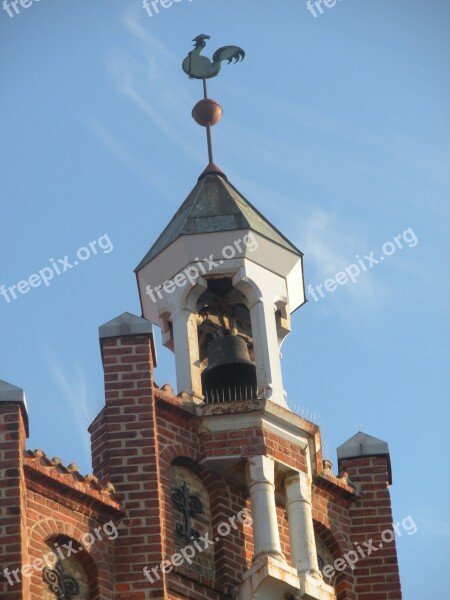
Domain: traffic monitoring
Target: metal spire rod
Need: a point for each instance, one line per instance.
(208, 126)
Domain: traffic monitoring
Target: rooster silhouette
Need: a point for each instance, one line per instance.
(201, 67)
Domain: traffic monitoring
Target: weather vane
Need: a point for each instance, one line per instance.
(208, 112)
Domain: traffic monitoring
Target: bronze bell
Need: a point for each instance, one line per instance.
(230, 374)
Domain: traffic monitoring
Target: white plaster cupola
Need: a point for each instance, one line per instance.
(221, 270)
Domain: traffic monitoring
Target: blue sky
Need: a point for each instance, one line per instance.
(335, 127)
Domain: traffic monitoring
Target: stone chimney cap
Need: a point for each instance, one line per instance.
(12, 393)
(361, 445)
(128, 324)
(125, 324)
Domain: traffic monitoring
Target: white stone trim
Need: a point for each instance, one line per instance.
(261, 486)
(301, 530)
(258, 419)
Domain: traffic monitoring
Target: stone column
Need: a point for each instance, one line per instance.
(267, 351)
(185, 339)
(261, 485)
(301, 530)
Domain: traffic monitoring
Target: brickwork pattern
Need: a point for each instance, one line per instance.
(144, 440)
(376, 576)
(125, 451)
(13, 539)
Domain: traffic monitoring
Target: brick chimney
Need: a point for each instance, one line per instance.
(367, 462)
(125, 449)
(13, 542)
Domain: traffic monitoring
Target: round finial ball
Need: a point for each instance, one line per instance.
(207, 112)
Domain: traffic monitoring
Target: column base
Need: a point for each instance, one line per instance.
(268, 579)
(272, 579)
(313, 587)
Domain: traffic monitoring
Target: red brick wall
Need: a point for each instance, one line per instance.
(376, 575)
(332, 506)
(13, 542)
(125, 451)
(136, 438)
(142, 431)
(51, 521)
(177, 435)
(332, 524)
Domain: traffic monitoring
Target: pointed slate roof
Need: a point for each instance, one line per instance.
(215, 205)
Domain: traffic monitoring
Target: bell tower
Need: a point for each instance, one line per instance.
(222, 283)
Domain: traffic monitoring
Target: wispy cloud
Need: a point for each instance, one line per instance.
(118, 148)
(330, 244)
(131, 22)
(432, 522)
(331, 240)
(82, 404)
(330, 248)
(149, 79)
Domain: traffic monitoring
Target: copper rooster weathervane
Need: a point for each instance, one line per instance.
(208, 112)
(200, 67)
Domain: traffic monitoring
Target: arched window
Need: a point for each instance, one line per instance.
(64, 576)
(324, 559)
(191, 520)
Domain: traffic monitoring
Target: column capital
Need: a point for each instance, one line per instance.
(260, 469)
(180, 311)
(298, 487)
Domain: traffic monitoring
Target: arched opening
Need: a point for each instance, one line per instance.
(192, 520)
(325, 559)
(330, 547)
(69, 572)
(225, 342)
